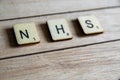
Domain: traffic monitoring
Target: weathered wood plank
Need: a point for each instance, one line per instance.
(95, 62)
(109, 19)
(25, 8)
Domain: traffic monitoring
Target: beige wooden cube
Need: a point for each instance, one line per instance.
(26, 33)
(59, 29)
(90, 24)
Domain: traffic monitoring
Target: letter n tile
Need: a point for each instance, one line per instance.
(26, 33)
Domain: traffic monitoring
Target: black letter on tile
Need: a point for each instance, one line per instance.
(25, 34)
(90, 25)
(62, 29)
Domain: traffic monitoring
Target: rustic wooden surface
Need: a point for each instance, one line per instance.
(31, 8)
(92, 57)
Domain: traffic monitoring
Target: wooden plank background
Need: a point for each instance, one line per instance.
(29, 8)
(85, 57)
(106, 17)
(95, 62)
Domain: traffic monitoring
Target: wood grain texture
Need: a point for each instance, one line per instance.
(95, 62)
(109, 18)
(92, 57)
(26, 8)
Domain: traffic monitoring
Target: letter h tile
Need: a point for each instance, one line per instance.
(59, 29)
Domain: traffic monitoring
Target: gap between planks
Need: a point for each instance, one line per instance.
(96, 62)
(36, 53)
(86, 10)
(18, 8)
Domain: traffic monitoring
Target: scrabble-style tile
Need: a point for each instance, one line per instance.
(90, 24)
(26, 33)
(59, 29)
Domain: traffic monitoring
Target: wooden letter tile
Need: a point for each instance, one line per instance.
(59, 29)
(90, 24)
(26, 33)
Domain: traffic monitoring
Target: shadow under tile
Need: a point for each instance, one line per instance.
(78, 28)
(11, 37)
(46, 32)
